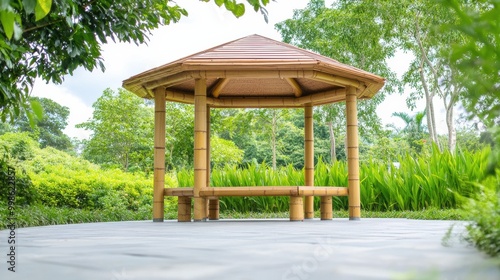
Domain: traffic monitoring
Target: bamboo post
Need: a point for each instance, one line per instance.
(296, 208)
(213, 209)
(353, 154)
(213, 203)
(326, 208)
(200, 149)
(184, 209)
(159, 157)
(309, 159)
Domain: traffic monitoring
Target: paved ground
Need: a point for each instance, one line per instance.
(246, 249)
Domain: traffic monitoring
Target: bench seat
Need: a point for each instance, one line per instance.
(259, 191)
(295, 193)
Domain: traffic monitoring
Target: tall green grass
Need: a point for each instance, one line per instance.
(439, 180)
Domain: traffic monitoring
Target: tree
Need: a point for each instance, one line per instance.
(352, 34)
(179, 142)
(122, 131)
(430, 74)
(224, 152)
(269, 121)
(478, 56)
(49, 129)
(51, 38)
(414, 129)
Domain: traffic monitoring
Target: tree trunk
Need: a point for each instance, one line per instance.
(429, 107)
(452, 135)
(333, 153)
(450, 122)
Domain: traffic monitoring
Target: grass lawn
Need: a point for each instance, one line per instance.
(42, 215)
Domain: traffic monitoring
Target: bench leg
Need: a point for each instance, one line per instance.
(326, 208)
(296, 208)
(184, 209)
(213, 209)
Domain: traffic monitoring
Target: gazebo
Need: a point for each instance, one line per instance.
(254, 72)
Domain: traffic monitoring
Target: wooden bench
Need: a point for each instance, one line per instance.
(295, 193)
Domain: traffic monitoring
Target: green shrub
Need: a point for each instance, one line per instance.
(484, 213)
(437, 180)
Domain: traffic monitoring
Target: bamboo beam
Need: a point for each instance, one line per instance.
(260, 102)
(353, 154)
(252, 73)
(253, 102)
(274, 191)
(309, 159)
(200, 149)
(159, 158)
(295, 86)
(169, 80)
(177, 96)
(219, 87)
(335, 80)
(179, 192)
(249, 191)
(328, 96)
(323, 191)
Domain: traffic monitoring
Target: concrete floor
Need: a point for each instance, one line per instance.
(247, 249)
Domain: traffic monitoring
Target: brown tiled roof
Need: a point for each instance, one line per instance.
(256, 67)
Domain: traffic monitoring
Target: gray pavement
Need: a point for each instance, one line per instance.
(247, 249)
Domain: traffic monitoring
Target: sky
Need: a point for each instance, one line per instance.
(205, 27)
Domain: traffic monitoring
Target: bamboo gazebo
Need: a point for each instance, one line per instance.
(254, 72)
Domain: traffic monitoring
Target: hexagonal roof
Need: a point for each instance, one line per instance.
(255, 71)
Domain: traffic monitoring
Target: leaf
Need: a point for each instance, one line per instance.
(29, 6)
(37, 109)
(42, 9)
(239, 10)
(7, 18)
(219, 2)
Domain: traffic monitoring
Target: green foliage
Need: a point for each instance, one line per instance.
(57, 179)
(122, 131)
(224, 151)
(440, 180)
(24, 194)
(68, 37)
(479, 56)
(179, 135)
(351, 34)
(42, 215)
(484, 212)
(49, 128)
(48, 39)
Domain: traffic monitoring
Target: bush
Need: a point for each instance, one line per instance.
(484, 229)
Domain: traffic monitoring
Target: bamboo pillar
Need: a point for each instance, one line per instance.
(184, 209)
(213, 209)
(212, 203)
(159, 156)
(200, 148)
(309, 159)
(353, 154)
(326, 208)
(296, 208)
